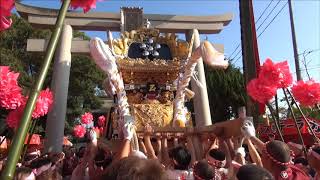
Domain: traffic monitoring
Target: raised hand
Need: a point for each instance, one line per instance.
(248, 129)
(148, 130)
(128, 130)
(93, 135)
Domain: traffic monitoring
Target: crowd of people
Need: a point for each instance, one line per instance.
(161, 158)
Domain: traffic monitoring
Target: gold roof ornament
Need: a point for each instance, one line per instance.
(178, 48)
(139, 70)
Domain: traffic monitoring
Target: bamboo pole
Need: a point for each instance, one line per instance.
(276, 122)
(277, 107)
(295, 121)
(31, 130)
(304, 117)
(18, 140)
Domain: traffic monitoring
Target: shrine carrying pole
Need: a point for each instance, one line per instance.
(18, 140)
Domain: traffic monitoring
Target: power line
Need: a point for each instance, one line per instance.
(265, 28)
(313, 68)
(265, 9)
(234, 50)
(273, 19)
(308, 52)
(305, 53)
(268, 15)
(237, 53)
(237, 59)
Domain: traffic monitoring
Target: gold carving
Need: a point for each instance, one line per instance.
(139, 71)
(178, 48)
(121, 46)
(135, 97)
(156, 115)
(151, 101)
(166, 97)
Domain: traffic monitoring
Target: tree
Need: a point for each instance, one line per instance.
(84, 75)
(226, 92)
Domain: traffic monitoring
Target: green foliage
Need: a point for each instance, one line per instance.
(285, 112)
(226, 92)
(309, 112)
(84, 75)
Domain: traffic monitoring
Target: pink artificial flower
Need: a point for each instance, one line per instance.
(6, 6)
(10, 92)
(86, 118)
(101, 121)
(43, 104)
(79, 131)
(275, 74)
(14, 117)
(307, 93)
(86, 5)
(5, 11)
(5, 23)
(260, 91)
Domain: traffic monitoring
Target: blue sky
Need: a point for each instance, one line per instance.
(275, 42)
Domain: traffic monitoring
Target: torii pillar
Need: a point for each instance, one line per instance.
(59, 85)
(200, 100)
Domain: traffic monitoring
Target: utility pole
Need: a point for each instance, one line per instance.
(294, 43)
(250, 54)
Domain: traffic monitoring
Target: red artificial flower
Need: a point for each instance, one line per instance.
(101, 121)
(43, 104)
(10, 92)
(14, 117)
(260, 91)
(275, 74)
(79, 131)
(86, 118)
(307, 93)
(5, 11)
(86, 5)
